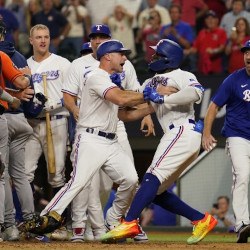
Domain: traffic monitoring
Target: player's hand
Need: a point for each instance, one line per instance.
(208, 142)
(153, 95)
(25, 94)
(52, 104)
(116, 79)
(76, 113)
(15, 104)
(147, 126)
(166, 90)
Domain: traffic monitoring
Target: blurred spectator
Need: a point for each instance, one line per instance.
(177, 31)
(120, 24)
(209, 44)
(239, 35)
(181, 33)
(149, 35)
(192, 10)
(145, 14)
(18, 8)
(218, 6)
(33, 8)
(228, 20)
(220, 211)
(55, 21)
(76, 15)
(12, 26)
(144, 4)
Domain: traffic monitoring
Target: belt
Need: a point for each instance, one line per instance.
(110, 136)
(189, 120)
(51, 117)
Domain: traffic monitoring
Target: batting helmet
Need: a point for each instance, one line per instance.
(172, 55)
(2, 28)
(246, 47)
(100, 29)
(86, 47)
(109, 47)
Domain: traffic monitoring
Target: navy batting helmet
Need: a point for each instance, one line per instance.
(111, 46)
(100, 29)
(172, 55)
(246, 47)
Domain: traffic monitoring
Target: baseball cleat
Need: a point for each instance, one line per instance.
(77, 235)
(127, 229)
(60, 234)
(243, 234)
(201, 228)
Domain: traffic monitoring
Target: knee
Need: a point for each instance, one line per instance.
(131, 182)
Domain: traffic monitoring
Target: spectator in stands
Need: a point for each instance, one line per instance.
(149, 35)
(18, 8)
(12, 26)
(120, 24)
(192, 10)
(33, 8)
(209, 44)
(144, 4)
(145, 14)
(240, 34)
(77, 15)
(228, 20)
(58, 25)
(220, 211)
(177, 31)
(218, 6)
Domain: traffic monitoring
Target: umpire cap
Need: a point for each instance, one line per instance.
(246, 47)
(86, 47)
(100, 29)
(111, 46)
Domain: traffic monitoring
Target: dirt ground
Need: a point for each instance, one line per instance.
(129, 246)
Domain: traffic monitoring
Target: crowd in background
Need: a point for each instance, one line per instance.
(211, 32)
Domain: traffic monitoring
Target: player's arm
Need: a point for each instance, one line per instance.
(207, 138)
(124, 98)
(22, 94)
(128, 115)
(70, 104)
(12, 101)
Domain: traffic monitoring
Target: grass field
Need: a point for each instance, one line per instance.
(157, 240)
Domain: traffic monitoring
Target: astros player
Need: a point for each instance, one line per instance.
(56, 68)
(72, 88)
(178, 147)
(96, 136)
(235, 93)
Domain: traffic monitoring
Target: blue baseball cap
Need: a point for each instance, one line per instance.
(246, 47)
(86, 47)
(100, 29)
(111, 46)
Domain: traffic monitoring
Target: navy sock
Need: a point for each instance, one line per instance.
(19, 214)
(174, 204)
(144, 196)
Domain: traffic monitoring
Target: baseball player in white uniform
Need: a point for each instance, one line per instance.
(96, 144)
(178, 147)
(72, 88)
(56, 68)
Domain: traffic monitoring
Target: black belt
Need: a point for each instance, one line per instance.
(189, 120)
(51, 117)
(110, 136)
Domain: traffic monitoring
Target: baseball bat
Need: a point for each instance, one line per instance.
(50, 144)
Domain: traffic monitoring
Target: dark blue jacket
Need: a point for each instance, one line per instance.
(28, 108)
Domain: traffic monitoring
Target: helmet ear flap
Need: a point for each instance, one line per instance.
(159, 65)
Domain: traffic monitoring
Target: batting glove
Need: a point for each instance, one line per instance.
(116, 79)
(52, 104)
(152, 95)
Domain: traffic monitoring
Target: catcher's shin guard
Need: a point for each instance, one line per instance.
(54, 221)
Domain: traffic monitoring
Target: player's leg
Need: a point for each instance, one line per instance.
(121, 170)
(239, 152)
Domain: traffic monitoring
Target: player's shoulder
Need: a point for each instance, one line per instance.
(128, 65)
(59, 58)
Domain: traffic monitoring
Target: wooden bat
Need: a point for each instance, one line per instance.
(50, 144)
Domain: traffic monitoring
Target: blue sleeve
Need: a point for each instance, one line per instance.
(223, 94)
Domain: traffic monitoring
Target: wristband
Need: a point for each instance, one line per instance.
(5, 96)
(27, 76)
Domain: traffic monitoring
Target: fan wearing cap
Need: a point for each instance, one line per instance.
(72, 92)
(96, 143)
(209, 45)
(234, 92)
